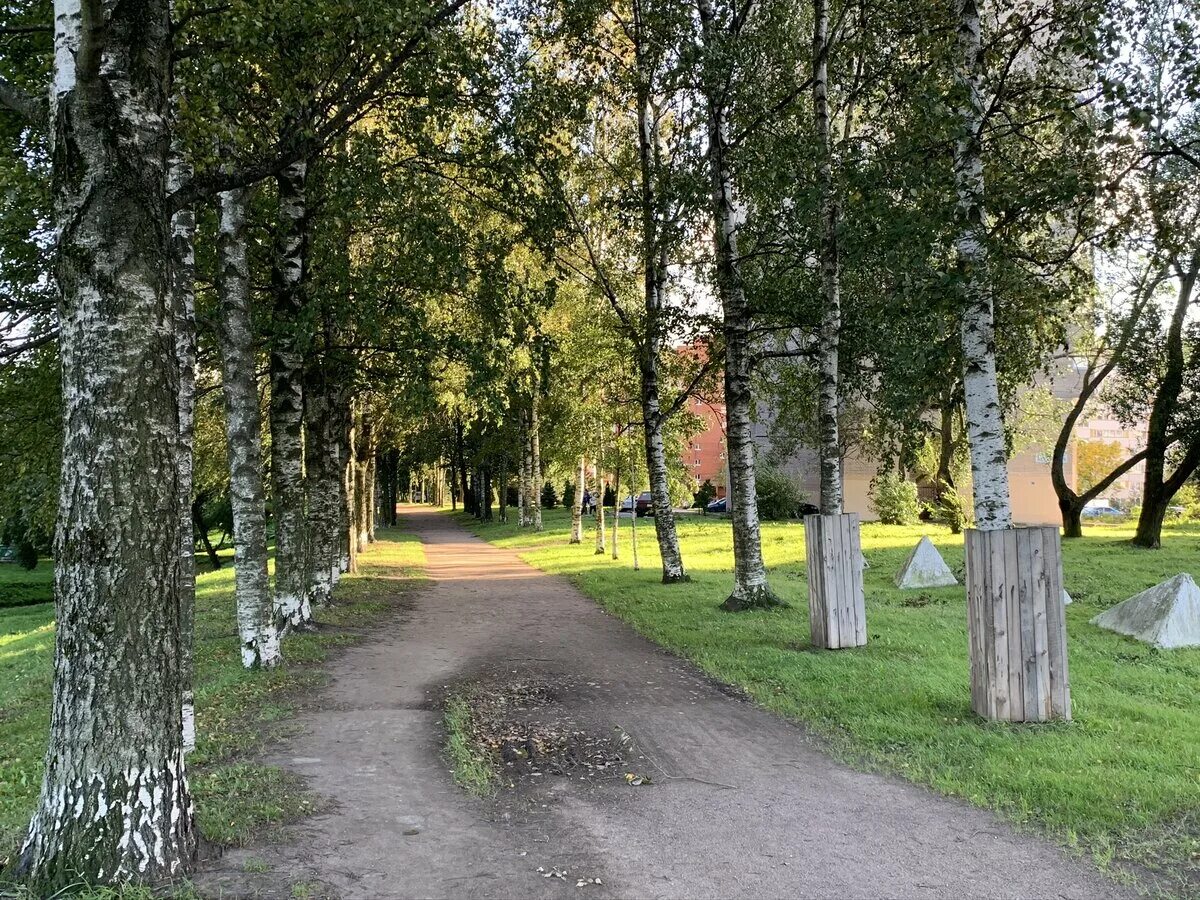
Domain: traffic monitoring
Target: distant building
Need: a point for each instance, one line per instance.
(704, 455)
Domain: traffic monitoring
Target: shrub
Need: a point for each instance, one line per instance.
(779, 496)
(549, 496)
(954, 509)
(568, 498)
(705, 495)
(27, 555)
(895, 500)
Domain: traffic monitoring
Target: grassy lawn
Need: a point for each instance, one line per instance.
(1122, 781)
(237, 712)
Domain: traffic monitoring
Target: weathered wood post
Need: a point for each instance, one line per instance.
(1017, 625)
(837, 611)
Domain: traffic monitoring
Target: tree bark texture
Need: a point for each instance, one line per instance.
(287, 399)
(750, 589)
(599, 495)
(829, 399)
(257, 630)
(985, 417)
(183, 291)
(322, 465)
(349, 517)
(535, 463)
(114, 802)
(577, 505)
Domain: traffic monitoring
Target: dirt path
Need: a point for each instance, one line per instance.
(741, 804)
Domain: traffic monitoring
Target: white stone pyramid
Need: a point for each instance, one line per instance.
(1166, 616)
(1067, 601)
(925, 568)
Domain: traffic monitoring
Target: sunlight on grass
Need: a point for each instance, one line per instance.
(1121, 777)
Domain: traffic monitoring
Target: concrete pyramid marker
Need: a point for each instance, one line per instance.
(1166, 616)
(925, 568)
(1067, 601)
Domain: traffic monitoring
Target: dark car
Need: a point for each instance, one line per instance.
(717, 506)
(644, 505)
(807, 509)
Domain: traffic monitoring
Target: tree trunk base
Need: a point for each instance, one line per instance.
(759, 597)
(676, 578)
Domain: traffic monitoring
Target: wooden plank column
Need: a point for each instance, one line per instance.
(1016, 625)
(837, 611)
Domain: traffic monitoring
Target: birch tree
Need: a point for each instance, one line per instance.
(750, 589)
(985, 416)
(115, 802)
(257, 631)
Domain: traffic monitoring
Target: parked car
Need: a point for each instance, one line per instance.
(645, 504)
(717, 506)
(1098, 512)
(807, 509)
(627, 504)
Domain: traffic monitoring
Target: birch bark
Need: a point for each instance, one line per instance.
(985, 418)
(535, 463)
(183, 291)
(257, 631)
(750, 589)
(654, 261)
(577, 506)
(599, 495)
(829, 400)
(616, 512)
(287, 400)
(322, 466)
(114, 802)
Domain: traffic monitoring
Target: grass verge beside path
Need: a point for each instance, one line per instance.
(1122, 781)
(238, 713)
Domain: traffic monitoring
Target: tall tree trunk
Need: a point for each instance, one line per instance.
(323, 472)
(750, 589)
(654, 264)
(599, 483)
(985, 417)
(349, 491)
(1157, 487)
(287, 400)
(372, 497)
(114, 803)
(183, 292)
(577, 506)
(633, 537)
(462, 464)
(523, 476)
(946, 446)
(487, 493)
(829, 400)
(616, 512)
(362, 497)
(503, 489)
(535, 462)
(243, 429)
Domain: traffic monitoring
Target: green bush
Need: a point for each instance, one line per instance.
(549, 496)
(705, 495)
(568, 499)
(27, 555)
(953, 508)
(895, 500)
(779, 496)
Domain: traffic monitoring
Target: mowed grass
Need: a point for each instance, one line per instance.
(238, 712)
(1120, 781)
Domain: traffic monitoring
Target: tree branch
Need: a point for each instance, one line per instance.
(33, 110)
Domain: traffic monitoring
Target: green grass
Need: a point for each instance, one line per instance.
(471, 769)
(1122, 781)
(24, 587)
(238, 713)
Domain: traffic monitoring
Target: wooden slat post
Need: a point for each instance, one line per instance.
(1016, 625)
(837, 609)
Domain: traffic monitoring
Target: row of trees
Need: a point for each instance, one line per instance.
(287, 252)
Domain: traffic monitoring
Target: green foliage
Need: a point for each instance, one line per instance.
(568, 495)
(953, 509)
(469, 765)
(705, 495)
(27, 555)
(549, 495)
(895, 500)
(778, 494)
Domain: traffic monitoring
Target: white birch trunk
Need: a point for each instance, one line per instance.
(829, 402)
(287, 402)
(600, 542)
(535, 462)
(114, 803)
(257, 630)
(523, 474)
(633, 538)
(750, 589)
(322, 463)
(985, 417)
(183, 290)
(616, 512)
(373, 496)
(577, 508)
(349, 521)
